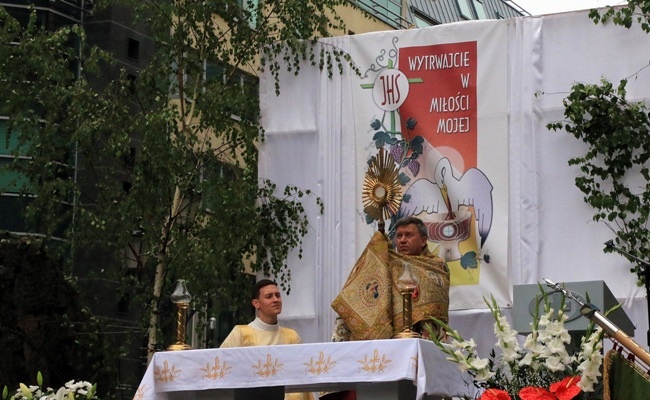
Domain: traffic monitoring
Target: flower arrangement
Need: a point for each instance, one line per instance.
(71, 391)
(539, 369)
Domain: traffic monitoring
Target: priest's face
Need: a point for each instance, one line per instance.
(409, 241)
(268, 304)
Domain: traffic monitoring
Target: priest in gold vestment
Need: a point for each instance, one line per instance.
(370, 305)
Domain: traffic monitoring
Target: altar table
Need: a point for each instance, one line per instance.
(377, 369)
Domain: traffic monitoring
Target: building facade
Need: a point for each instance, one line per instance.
(404, 14)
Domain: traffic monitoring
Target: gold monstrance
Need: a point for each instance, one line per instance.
(382, 194)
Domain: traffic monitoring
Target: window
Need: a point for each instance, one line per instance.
(11, 181)
(480, 9)
(132, 82)
(421, 20)
(465, 9)
(389, 11)
(135, 251)
(245, 84)
(216, 176)
(126, 186)
(250, 6)
(214, 71)
(8, 144)
(123, 304)
(133, 49)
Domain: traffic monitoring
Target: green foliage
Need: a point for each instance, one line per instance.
(614, 178)
(158, 170)
(633, 11)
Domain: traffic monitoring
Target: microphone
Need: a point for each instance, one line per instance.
(610, 245)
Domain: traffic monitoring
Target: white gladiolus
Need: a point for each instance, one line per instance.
(479, 363)
(554, 364)
(555, 345)
(590, 360)
(587, 385)
(456, 345)
(483, 375)
(526, 360)
(469, 345)
(506, 339)
(541, 360)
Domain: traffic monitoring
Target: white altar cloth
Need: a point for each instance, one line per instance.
(305, 367)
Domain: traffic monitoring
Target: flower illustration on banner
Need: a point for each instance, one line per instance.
(405, 151)
(539, 369)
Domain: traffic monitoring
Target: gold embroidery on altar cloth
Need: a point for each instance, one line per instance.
(217, 371)
(139, 394)
(320, 366)
(270, 368)
(166, 374)
(375, 363)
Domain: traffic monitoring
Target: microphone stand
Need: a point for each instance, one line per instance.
(646, 277)
(590, 311)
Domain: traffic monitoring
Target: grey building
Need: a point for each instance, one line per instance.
(113, 30)
(403, 14)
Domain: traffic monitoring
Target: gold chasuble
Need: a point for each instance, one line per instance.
(370, 303)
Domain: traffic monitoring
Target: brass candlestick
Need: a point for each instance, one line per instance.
(181, 297)
(406, 284)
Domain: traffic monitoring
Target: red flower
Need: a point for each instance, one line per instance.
(536, 393)
(567, 388)
(495, 394)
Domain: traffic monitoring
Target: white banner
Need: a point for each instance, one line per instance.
(479, 95)
(438, 103)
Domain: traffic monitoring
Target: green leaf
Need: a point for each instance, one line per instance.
(617, 135)
(468, 260)
(102, 161)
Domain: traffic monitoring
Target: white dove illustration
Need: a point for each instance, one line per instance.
(473, 188)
